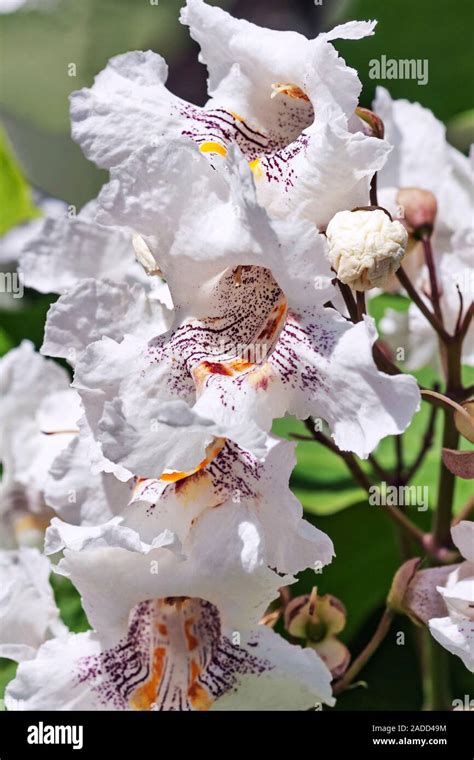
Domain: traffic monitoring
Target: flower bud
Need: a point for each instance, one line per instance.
(317, 620)
(373, 125)
(422, 600)
(365, 247)
(400, 583)
(419, 210)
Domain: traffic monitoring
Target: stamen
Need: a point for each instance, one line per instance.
(145, 257)
(312, 604)
(291, 90)
(237, 273)
(66, 431)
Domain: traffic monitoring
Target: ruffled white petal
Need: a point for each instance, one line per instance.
(98, 308)
(128, 107)
(295, 678)
(28, 613)
(327, 170)
(78, 491)
(130, 570)
(235, 483)
(463, 537)
(69, 250)
(50, 680)
(457, 636)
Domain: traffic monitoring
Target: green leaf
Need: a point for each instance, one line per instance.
(461, 130)
(5, 342)
(27, 323)
(320, 480)
(421, 30)
(69, 603)
(16, 204)
(7, 672)
(378, 305)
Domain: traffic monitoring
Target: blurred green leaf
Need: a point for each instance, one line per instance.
(16, 204)
(7, 672)
(441, 34)
(378, 305)
(461, 130)
(27, 323)
(5, 342)
(69, 603)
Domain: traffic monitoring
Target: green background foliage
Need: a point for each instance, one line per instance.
(36, 117)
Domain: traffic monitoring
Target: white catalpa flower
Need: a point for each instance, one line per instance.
(28, 613)
(228, 476)
(265, 88)
(236, 486)
(422, 158)
(365, 247)
(28, 385)
(47, 462)
(251, 339)
(170, 638)
(456, 632)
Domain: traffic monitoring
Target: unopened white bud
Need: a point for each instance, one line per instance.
(365, 247)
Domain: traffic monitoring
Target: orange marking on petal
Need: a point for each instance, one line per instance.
(274, 322)
(197, 694)
(239, 365)
(191, 640)
(212, 451)
(213, 147)
(31, 522)
(145, 695)
(172, 477)
(261, 376)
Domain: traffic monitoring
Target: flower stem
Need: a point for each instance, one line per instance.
(447, 482)
(363, 658)
(416, 298)
(425, 446)
(436, 675)
(428, 251)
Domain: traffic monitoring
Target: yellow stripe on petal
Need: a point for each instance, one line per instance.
(213, 147)
(256, 167)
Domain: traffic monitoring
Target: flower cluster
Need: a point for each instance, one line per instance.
(198, 302)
